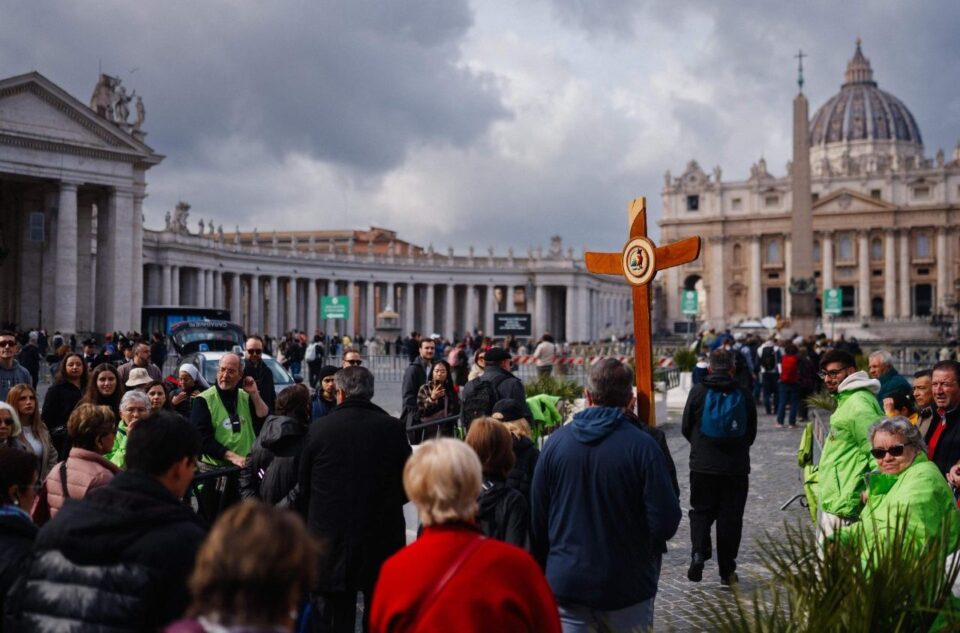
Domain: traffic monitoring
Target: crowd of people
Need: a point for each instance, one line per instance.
(98, 496)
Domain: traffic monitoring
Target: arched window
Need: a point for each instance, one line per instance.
(773, 252)
(876, 249)
(737, 255)
(845, 249)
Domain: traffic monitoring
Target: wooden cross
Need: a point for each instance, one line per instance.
(639, 261)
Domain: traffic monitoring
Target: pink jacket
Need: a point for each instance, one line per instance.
(86, 470)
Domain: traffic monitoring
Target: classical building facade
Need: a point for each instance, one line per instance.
(885, 220)
(75, 257)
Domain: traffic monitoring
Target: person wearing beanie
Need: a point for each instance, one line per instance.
(326, 396)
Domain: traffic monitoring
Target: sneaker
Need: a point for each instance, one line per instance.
(780, 425)
(729, 580)
(695, 573)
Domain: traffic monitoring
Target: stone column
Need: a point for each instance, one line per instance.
(429, 322)
(755, 293)
(136, 253)
(65, 316)
(449, 312)
(114, 275)
(390, 299)
(211, 285)
(826, 254)
(85, 269)
(218, 290)
(236, 311)
(256, 305)
(272, 326)
(369, 319)
(905, 298)
(889, 274)
(944, 284)
(175, 285)
(312, 307)
(350, 327)
(199, 291)
(166, 284)
(407, 313)
(717, 294)
(291, 323)
(540, 310)
(582, 300)
(491, 308)
(570, 315)
(471, 314)
(863, 274)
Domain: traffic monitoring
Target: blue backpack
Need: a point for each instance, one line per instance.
(724, 415)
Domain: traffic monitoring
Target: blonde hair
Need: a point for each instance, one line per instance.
(255, 558)
(16, 429)
(88, 422)
(443, 478)
(519, 428)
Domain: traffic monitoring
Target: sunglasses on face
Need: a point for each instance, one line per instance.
(895, 451)
(6, 421)
(355, 363)
(7, 343)
(254, 351)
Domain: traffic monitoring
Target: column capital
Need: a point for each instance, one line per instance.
(889, 231)
(69, 184)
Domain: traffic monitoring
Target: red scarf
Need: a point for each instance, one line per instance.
(937, 432)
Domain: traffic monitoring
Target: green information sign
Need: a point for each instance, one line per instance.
(688, 302)
(833, 301)
(335, 307)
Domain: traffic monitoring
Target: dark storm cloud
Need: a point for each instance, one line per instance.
(356, 83)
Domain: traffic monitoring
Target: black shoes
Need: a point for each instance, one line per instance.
(695, 573)
(729, 580)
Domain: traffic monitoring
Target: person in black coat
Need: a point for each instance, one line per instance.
(504, 513)
(526, 453)
(351, 493)
(505, 384)
(414, 377)
(123, 552)
(272, 467)
(255, 368)
(18, 480)
(720, 422)
(61, 399)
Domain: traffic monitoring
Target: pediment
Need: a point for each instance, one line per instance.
(34, 109)
(848, 200)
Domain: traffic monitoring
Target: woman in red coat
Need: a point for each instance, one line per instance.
(453, 578)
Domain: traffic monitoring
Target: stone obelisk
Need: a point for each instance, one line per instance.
(803, 286)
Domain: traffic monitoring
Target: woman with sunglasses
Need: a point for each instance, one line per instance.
(18, 490)
(62, 397)
(906, 492)
(11, 433)
(479, 365)
(35, 435)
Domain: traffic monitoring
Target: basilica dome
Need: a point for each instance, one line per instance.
(862, 120)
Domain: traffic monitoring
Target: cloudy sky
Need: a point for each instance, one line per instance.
(485, 122)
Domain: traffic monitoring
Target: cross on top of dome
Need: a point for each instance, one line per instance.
(858, 69)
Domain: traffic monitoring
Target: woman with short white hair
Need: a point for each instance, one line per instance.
(453, 578)
(134, 406)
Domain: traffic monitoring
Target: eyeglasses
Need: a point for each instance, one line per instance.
(355, 363)
(833, 373)
(895, 451)
(8, 343)
(254, 351)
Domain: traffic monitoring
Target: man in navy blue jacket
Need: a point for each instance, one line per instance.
(601, 504)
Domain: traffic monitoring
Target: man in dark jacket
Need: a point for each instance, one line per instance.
(325, 398)
(351, 493)
(891, 381)
(255, 368)
(601, 493)
(943, 436)
(505, 385)
(720, 422)
(18, 478)
(415, 376)
(124, 552)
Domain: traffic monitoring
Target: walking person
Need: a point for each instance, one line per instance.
(720, 422)
(770, 354)
(789, 394)
(602, 493)
(544, 353)
(351, 493)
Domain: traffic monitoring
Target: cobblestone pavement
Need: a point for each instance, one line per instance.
(681, 605)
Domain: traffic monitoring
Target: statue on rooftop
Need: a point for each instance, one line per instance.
(178, 223)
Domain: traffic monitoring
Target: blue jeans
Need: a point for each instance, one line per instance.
(770, 388)
(575, 618)
(788, 395)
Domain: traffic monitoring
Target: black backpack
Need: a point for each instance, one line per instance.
(481, 400)
(768, 359)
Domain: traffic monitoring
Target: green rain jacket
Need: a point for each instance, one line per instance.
(118, 454)
(920, 496)
(846, 453)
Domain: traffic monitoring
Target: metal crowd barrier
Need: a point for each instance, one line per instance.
(821, 428)
(214, 491)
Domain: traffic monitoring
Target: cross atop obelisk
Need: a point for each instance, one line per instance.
(639, 262)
